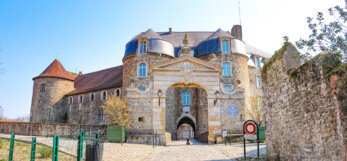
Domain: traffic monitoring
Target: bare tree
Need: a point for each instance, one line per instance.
(255, 112)
(116, 111)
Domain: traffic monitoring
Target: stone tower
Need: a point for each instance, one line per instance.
(48, 93)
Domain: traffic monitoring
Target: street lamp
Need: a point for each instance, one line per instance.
(217, 97)
(159, 95)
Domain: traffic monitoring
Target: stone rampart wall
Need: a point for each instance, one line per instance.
(53, 129)
(304, 107)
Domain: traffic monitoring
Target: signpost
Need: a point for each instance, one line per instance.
(250, 127)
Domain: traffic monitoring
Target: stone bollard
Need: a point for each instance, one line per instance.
(94, 152)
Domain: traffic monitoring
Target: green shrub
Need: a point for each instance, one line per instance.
(46, 152)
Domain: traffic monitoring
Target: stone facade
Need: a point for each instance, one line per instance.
(174, 62)
(305, 108)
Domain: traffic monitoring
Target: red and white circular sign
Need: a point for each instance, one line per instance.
(250, 128)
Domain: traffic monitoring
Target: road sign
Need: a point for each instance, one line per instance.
(250, 128)
(250, 137)
(225, 134)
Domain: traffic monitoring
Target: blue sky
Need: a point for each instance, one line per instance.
(91, 35)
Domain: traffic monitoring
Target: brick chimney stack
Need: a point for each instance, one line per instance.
(170, 31)
(236, 32)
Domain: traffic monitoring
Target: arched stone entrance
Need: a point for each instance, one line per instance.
(182, 117)
(186, 73)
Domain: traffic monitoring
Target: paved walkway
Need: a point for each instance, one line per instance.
(176, 150)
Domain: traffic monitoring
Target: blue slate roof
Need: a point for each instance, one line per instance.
(202, 43)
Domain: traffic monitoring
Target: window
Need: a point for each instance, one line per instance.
(80, 99)
(143, 46)
(225, 46)
(117, 93)
(141, 119)
(258, 81)
(257, 64)
(142, 70)
(43, 88)
(259, 102)
(226, 69)
(92, 97)
(70, 100)
(142, 88)
(186, 98)
(228, 88)
(101, 116)
(103, 96)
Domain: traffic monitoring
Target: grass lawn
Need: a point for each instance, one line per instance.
(22, 151)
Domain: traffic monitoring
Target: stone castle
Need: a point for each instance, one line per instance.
(178, 84)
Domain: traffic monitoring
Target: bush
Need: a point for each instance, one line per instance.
(46, 152)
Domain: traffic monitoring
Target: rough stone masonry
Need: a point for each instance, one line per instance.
(305, 107)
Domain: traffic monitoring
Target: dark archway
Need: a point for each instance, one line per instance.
(188, 121)
(186, 128)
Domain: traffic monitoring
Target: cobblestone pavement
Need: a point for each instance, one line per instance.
(175, 151)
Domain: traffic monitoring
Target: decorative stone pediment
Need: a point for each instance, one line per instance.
(187, 64)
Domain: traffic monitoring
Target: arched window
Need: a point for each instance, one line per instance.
(103, 95)
(226, 69)
(70, 99)
(185, 98)
(43, 88)
(80, 99)
(143, 47)
(225, 46)
(142, 70)
(92, 97)
(117, 93)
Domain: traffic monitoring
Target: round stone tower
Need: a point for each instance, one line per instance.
(49, 90)
(143, 50)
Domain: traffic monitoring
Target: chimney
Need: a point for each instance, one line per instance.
(236, 32)
(80, 73)
(170, 31)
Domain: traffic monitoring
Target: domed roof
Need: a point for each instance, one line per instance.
(56, 69)
(219, 33)
(148, 34)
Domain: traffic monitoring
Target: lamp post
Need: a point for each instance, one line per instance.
(159, 95)
(217, 97)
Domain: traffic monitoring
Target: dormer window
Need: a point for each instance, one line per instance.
(143, 47)
(257, 63)
(225, 46)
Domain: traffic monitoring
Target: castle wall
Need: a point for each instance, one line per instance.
(49, 106)
(304, 109)
(88, 112)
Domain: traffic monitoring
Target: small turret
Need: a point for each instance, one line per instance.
(48, 92)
